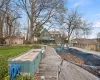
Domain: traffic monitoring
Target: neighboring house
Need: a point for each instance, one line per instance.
(14, 40)
(50, 36)
(56, 36)
(45, 35)
(89, 44)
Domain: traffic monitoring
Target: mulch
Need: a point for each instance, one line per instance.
(71, 58)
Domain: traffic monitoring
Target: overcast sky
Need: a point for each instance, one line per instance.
(91, 11)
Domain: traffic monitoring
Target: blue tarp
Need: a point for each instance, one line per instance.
(88, 58)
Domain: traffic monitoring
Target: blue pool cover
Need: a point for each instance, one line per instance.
(88, 58)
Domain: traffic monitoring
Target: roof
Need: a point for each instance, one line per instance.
(85, 41)
(54, 32)
(44, 30)
(14, 37)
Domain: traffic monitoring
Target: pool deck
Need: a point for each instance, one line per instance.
(51, 69)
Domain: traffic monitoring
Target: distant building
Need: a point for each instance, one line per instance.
(50, 37)
(89, 44)
(56, 36)
(14, 40)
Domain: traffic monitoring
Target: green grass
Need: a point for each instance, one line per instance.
(11, 50)
(7, 52)
(19, 78)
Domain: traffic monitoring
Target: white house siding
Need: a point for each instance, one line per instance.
(14, 41)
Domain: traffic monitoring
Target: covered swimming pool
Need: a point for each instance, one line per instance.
(91, 59)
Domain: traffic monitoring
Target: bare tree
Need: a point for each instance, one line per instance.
(8, 17)
(74, 22)
(98, 37)
(86, 28)
(11, 22)
(3, 4)
(39, 11)
(63, 38)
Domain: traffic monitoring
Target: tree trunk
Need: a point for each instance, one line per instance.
(31, 31)
(32, 21)
(9, 30)
(1, 31)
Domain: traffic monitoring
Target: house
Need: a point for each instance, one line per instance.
(56, 36)
(14, 40)
(50, 37)
(89, 44)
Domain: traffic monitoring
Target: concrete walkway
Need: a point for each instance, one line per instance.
(50, 69)
(49, 65)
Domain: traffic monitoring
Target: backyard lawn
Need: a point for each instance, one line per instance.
(7, 52)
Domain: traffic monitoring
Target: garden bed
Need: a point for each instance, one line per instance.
(7, 52)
